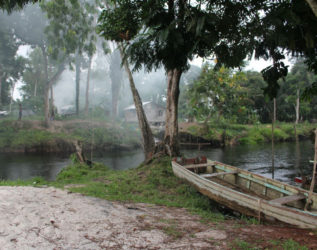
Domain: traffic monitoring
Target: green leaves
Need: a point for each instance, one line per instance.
(70, 27)
(119, 24)
(310, 92)
(271, 75)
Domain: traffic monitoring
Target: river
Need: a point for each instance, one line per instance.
(290, 161)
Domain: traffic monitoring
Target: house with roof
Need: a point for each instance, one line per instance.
(155, 113)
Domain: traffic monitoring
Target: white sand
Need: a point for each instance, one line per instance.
(49, 218)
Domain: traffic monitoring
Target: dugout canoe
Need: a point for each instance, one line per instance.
(249, 193)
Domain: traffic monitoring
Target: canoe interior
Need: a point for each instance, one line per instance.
(243, 181)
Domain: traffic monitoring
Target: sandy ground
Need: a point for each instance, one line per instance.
(49, 218)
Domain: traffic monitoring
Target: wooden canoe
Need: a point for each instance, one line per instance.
(249, 193)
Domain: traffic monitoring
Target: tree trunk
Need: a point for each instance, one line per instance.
(297, 107)
(2, 76)
(87, 87)
(52, 97)
(147, 136)
(48, 85)
(273, 126)
(11, 97)
(313, 5)
(116, 80)
(35, 88)
(46, 88)
(171, 126)
(0, 89)
(274, 110)
(77, 82)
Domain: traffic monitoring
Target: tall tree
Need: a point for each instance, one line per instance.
(219, 93)
(170, 33)
(71, 32)
(29, 26)
(34, 81)
(11, 65)
(147, 136)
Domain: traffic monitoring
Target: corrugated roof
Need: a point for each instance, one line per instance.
(133, 106)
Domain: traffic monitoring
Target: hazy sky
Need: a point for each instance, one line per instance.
(256, 65)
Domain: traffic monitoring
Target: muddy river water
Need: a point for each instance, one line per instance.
(290, 160)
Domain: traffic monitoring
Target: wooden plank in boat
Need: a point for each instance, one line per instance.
(288, 199)
(217, 174)
(199, 165)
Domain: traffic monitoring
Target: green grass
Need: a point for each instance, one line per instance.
(243, 245)
(250, 134)
(35, 182)
(293, 245)
(16, 135)
(275, 244)
(11, 137)
(154, 183)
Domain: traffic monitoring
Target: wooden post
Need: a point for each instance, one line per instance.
(273, 125)
(312, 185)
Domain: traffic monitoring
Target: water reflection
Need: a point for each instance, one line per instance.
(27, 166)
(257, 159)
(120, 160)
(22, 166)
(254, 158)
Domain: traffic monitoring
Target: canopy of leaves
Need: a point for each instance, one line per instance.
(10, 5)
(173, 32)
(288, 26)
(11, 65)
(70, 28)
(119, 24)
(219, 93)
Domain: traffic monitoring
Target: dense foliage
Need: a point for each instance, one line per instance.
(222, 94)
(11, 66)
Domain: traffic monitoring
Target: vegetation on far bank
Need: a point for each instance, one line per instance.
(231, 134)
(33, 136)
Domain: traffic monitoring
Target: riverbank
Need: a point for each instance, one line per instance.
(33, 137)
(233, 134)
(146, 207)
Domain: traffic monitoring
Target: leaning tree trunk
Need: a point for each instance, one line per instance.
(313, 5)
(87, 87)
(147, 136)
(171, 126)
(297, 107)
(77, 82)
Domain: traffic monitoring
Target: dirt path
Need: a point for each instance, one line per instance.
(49, 218)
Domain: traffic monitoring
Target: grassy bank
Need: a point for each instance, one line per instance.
(33, 136)
(230, 134)
(154, 184)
